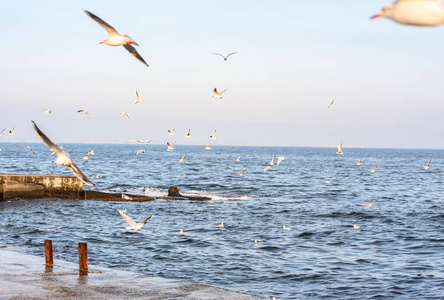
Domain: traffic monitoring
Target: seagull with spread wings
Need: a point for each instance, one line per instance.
(171, 132)
(145, 142)
(115, 39)
(170, 146)
(217, 94)
(134, 226)
(138, 98)
(426, 167)
(213, 135)
(331, 104)
(225, 57)
(27, 147)
(181, 160)
(11, 132)
(188, 135)
(340, 150)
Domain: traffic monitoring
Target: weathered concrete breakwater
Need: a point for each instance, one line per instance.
(69, 187)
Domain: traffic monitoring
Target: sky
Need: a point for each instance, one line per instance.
(294, 58)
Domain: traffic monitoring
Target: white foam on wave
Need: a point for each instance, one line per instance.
(214, 196)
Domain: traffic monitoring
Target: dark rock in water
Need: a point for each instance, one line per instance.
(174, 192)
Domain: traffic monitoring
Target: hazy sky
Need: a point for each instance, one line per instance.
(294, 58)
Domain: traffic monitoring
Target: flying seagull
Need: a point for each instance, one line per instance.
(359, 162)
(181, 160)
(146, 142)
(11, 132)
(134, 226)
(426, 167)
(266, 169)
(280, 159)
(340, 150)
(115, 39)
(124, 114)
(63, 158)
(27, 147)
(242, 173)
(170, 146)
(213, 135)
(140, 151)
(225, 57)
(83, 111)
(369, 205)
(238, 159)
(372, 170)
(47, 110)
(138, 98)
(271, 163)
(171, 132)
(217, 94)
(414, 12)
(2, 131)
(331, 104)
(188, 135)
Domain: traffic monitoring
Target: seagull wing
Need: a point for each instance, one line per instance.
(143, 222)
(231, 54)
(109, 28)
(222, 92)
(46, 140)
(215, 90)
(126, 218)
(2, 131)
(134, 53)
(220, 55)
(76, 171)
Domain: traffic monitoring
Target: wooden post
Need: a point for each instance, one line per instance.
(83, 259)
(48, 253)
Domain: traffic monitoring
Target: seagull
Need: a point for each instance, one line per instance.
(124, 114)
(83, 111)
(170, 147)
(372, 170)
(286, 228)
(218, 95)
(242, 173)
(331, 104)
(181, 231)
(91, 152)
(221, 225)
(126, 197)
(271, 163)
(138, 98)
(340, 150)
(369, 205)
(11, 132)
(188, 135)
(115, 39)
(171, 132)
(255, 243)
(47, 110)
(280, 159)
(225, 57)
(359, 162)
(146, 142)
(181, 160)
(96, 176)
(27, 147)
(63, 158)
(414, 12)
(140, 151)
(266, 169)
(208, 147)
(2, 131)
(134, 226)
(356, 226)
(212, 136)
(238, 159)
(86, 157)
(426, 167)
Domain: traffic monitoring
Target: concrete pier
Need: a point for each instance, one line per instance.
(26, 277)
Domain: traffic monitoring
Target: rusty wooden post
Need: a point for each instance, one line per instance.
(48, 253)
(83, 259)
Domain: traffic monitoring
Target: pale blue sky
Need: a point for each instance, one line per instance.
(294, 58)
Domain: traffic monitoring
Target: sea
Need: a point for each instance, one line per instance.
(397, 253)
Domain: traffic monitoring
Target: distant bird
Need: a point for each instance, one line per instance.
(115, 39)
(238, 159)
(83, 111)
(359, 162)
(63, 158)
(271, 163)
(255, 243)
(286, 228)
(280, 159)
(171, 132)
(181, 160)
(266, 169)
(221, 225)
(91, 152)
(217, 94)
(170, 147)
(426, 167)
(369, 205)
(47, 110)
(188, 135)
(225, 57)
(212, 136)
(134, 226)
(208, 147)
(86, 157)
(242, 173)
(145, 142)
(181, 231)
(138, 98)
(414, 12)
(2, 131)
(140, 151)
(372, 170)
(331, 104)
(356, 226)
(96, 176)
(126, 197)
(340, 150)
(27, 147)
(11, 132)
(124, 114)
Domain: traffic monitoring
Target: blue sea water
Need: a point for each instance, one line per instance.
(398, 252)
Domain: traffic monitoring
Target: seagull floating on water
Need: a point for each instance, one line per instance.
(86, 157)
(217, 94)
(63, 158)
(414, 12)
(47, 110)
(426, 167)
(221, 225)
(255, 243)
(356, 226)
(27, 147)
(331, 104)
(225, 57)
(138, 98)
(115, 39)
(340, 150)
(134, 226)
(208, 147)
(286, 228)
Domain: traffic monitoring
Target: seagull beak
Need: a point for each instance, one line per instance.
(101, 43)
(375, 16)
